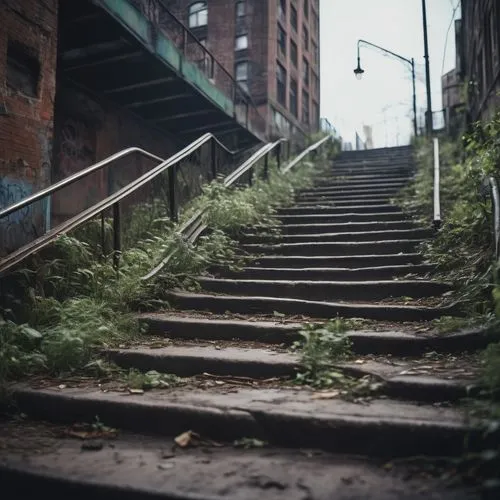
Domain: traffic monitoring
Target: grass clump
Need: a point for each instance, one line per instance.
(320, 347)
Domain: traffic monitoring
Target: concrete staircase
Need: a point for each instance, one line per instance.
(344, 250)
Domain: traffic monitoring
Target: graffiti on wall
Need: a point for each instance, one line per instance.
(25, 224)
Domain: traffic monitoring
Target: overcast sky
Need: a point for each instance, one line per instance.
(383, 97)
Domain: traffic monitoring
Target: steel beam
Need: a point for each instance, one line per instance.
(107, 60)
(209, 127)
(138, 104)
(185, 115)
(140, 85)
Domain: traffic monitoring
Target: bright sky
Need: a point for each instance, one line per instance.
(383, 97)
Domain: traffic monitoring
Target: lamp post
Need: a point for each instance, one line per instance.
(359, 74)
(428, 114)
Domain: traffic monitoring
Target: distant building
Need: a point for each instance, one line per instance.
(479, 56)
(368, 133)
(272, 48)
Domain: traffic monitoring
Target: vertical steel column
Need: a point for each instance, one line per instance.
(117, 241)
(437, 198)
(172, 176)
(213, 158)
(266, 167)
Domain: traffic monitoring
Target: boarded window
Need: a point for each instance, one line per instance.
(23, 69)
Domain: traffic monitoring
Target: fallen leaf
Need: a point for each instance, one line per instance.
(326, 395)
(62, 386)
(166, 466)
(136, 391)
(360, 361)
(186, 438)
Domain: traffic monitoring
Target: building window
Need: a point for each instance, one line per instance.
(306, 9)
(23, 69)
(198, 14)
(281, 84)
(293, 18)
(305, 71)
(282, 11)
(293, 97)
(240, 9)
(315, 83)
(305, 38)
(315, 32)
(241, 42)
(305, 107)
(241, 73)
(293, 53)
(281, 41)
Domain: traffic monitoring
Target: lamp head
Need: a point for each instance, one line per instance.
(358, 72)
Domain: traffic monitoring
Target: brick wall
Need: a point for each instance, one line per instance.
(28, 47)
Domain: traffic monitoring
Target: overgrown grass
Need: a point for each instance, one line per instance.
(68, 302)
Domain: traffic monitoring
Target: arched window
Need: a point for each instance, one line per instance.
(198, 14)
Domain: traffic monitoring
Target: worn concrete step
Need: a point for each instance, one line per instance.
(334, 218)
(372, 180)
(349, 261)
(349, 191)
(363, 170)
(375, 208)
(388, 234)
(344, 201)
(262, 363)
(281, 417)
(279, 331)
(347, 227)
(133, 467)
(310, 248)
(325, 273)
(245, 304)
(326, 290)
(339, 185)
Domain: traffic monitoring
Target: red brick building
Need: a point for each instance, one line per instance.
(272, 47)
(83, 79)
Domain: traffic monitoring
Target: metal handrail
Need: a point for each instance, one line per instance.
(91, 169)
(111, 201)
(495, 197)
(195, 226)
(437, 182)
(304, 153)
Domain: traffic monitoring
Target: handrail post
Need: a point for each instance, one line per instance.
(172, 199)
(250, 176)
(103, 237)
(437, 199)
(278, 155)
(495, 195)
(266, 166)
(213, 159)
(117, 242)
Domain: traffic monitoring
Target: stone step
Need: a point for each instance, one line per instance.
(334, 218)
(375, 209)
(374, 171)
(325, 290)
(349, 191)
(278, 331)
(339, 185)
(344, 201)
(245, 304)
(346, 227)
(334, 179)
(325, 273)
(350, 261)
(263, 363)
(391, 234)
(310, 248)
(134, 467)
(278, 416)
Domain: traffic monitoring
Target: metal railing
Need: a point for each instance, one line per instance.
(192, 50)
(192, 229)
(490, 184)
(112, 201)
(437, 183)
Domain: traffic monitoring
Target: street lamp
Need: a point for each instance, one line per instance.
(358, 72)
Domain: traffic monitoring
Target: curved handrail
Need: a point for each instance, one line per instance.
(195, 226)
(93, 168)
(44, 240)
